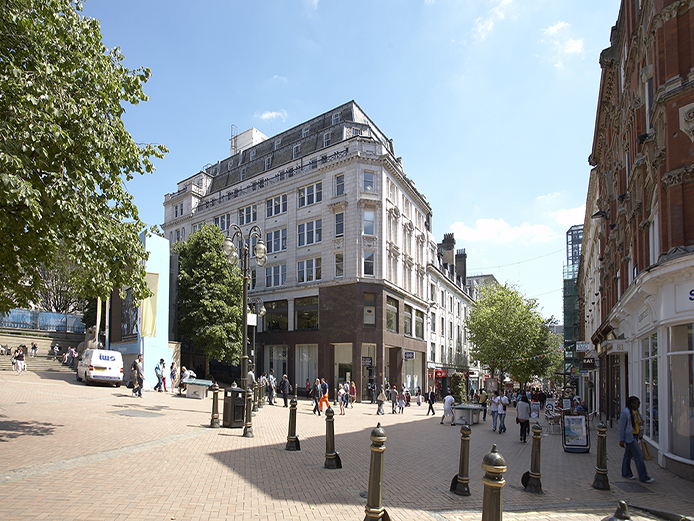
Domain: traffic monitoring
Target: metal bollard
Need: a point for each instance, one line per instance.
(374, 502)
(214, 422)
(248, 424)
(261, 396)
(622, 512)
(494, 466)
(292, 438)
(534, 484)
(461, 482)
(332, 458)
(601, 482)
(255, 397)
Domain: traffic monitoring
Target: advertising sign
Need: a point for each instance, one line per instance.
(583, 346)
(575, 434)
(409, 355)
(549, 404)
(534, 409)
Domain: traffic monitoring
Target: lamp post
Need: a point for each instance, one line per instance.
(232, 255)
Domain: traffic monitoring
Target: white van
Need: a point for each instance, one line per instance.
(99, 365)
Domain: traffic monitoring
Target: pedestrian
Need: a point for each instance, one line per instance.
(372, 391)
(325, 392)
(630, 433)
(483, 403)
(19, 363)
(380, 400)
(542, 398)
(419, 396)
(341, 398)
(159, 373)
(494, 409)
(270, 387)
(401, 400)
(308, 388)
(285, 389)
(448, 402)
(172, 375)
(139, 375)
(394, 399)
(352, 394)
(523, 417)
(250, 378)
(503, 403)
(431, 398)
(316, 394)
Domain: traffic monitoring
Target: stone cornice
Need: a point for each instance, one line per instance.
(337, 206)
(669, 12)
(680, 176)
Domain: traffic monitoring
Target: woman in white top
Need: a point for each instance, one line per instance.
(494, 409)
(503, 403)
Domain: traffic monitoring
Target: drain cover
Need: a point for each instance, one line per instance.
(636, 488)
(136, 414)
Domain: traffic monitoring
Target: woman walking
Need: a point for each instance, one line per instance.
(172, 374)
(380, 400)
(352, 394)
(523, 417)
(494, 409)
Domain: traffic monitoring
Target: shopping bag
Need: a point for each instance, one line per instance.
(646, 451)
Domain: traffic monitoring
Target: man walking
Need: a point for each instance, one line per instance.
(431, 398)
(139, 368)
(285, 389)
(630, 433)
(159, 372)
(271, 382)
(325, 390)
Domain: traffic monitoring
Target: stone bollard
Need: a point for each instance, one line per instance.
(214, 422)
(494, 466)
(374, 502)
(332, 458)
(601, 482)
(534, 484)
(461, 482)
(255, 397)
(292, 438)
(622, 512)
(248, 423)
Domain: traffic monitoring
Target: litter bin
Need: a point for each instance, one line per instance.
(234, 405)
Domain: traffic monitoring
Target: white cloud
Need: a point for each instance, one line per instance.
(279, 78)
(570, 216)
(563, 46)
(484, 25)
(282, 114)
(548, 199)
(313, 4)
(499, 231)
(429, 2)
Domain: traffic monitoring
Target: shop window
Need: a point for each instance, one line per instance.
(276, 316)
(306, 313)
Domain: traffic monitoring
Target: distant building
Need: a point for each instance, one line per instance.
(636, 279)
(350, 249)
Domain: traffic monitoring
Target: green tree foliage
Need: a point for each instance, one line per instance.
(508, 333)
(209, 296)
(65, 154)
(56, 294)
(458, 388)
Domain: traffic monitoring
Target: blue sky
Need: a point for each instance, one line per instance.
(490, 103)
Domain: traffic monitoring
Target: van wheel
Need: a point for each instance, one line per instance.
(118, 384)
(86, 380)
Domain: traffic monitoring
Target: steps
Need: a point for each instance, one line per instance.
(39, 363)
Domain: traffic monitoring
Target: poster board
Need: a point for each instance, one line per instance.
(549, 405)
(575, 435)
(534, 409)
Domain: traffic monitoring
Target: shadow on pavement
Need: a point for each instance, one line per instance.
(14, 429)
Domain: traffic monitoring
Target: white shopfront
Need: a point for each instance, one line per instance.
(655, 318)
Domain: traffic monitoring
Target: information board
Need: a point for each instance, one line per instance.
(534, 409)
(575, 434)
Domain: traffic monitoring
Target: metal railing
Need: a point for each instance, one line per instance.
(42, 321)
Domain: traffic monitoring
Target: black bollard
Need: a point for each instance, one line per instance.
(332, 458)
(534, 484)
(261, 396)
(214, 422)
(494, 466)
(461, 481)
(292, 438)
(601, 482)
(248, 423)
(622, 512)
(374, 502)
(255, 397)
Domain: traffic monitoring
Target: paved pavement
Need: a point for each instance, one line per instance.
(92, 453)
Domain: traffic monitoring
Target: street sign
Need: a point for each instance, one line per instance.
(366, 361)
(583, 346)
(409, 355)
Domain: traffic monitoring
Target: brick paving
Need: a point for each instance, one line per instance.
(77, 452)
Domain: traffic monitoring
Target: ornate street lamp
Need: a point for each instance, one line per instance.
(233, 257)
(256, 309)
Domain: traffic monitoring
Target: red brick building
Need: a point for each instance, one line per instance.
(636, 280)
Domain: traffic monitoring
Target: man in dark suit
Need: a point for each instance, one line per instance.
(431, 398)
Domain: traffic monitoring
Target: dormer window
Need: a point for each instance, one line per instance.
(336, 118)
(268, 163)
(326, 140)
(305, 131)
(278, 143)
(252, 155)
(296, 150)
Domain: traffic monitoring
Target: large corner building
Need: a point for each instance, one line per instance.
(349, 249)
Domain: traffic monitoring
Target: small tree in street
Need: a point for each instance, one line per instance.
(209, 296)
(508, 333)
